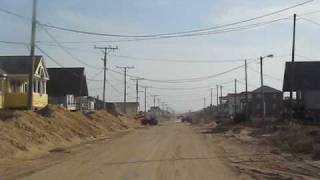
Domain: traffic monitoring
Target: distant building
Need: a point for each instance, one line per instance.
(68, 87)
(131, 107)
(14, 81)
(273, 102)
(306, 83)
(230, 103)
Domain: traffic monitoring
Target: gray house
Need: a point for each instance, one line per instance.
(68, 87)
(306, 83)
(273, 102)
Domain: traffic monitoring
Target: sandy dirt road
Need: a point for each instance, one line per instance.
(170, 151)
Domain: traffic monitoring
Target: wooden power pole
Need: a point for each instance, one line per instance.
(235, 96)
(125, 68)
(262, 90)
(247, 96)
(217, 98)
(292, 67)
(106, 51)
(32, 53)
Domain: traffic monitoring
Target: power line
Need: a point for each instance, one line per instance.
(221, 31)
(264, 74)
(60, 65)
(177, 60)
(175, 33)
(68, 52)
(14, 42)
(311, 21)
(308, 58)
(95, 75)
(169, 60)
(15, 14)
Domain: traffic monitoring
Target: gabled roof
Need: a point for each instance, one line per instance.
(267, 89)
(306, 76)
(18, 64)
(65, 81)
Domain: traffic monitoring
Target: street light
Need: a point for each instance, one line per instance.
(263, 106)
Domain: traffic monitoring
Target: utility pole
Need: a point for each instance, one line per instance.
(125, 68)
(262, 89)
(221, 98)
(145, 98)
(154, 100)
(204, 103)
(217, 98)
(32, 53)
(211, 101)
(106, 51)
(159, 102)
(163, 113)
(138, 99)
(263, 104)
(137, 87)
(292, 67)
(235, 96)
(247, 96)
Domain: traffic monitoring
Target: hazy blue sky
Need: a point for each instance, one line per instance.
(161, 16)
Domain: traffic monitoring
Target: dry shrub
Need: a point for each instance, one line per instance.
(7, 114)
(297, 139)
(316, 152)
(303, 144)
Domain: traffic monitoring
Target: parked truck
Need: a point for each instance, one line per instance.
(147, 119)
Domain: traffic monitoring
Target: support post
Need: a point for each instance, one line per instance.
(292, 67)
(262, 90)
(32, 53)
(235, 96)
(106, 51)
(247, 96)
(125, 68)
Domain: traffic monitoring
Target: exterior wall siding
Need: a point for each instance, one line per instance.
(39, 100)
(15, 100)
(20, 100)
(311, 99)
(1, 101)
(273, 104)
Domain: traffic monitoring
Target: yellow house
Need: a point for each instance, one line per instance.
(14, 80)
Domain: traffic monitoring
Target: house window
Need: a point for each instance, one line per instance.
(258, 96)
(15, 86)
(25, 87)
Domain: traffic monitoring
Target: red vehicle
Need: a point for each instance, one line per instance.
(147, 119)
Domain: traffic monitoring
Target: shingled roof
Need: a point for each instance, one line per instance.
(65, 81)
(306, 76)
(267, 89)
(18, 64)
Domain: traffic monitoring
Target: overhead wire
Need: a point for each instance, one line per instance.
(176, 33)
(67, 51)
(310, 21)
(227, 30)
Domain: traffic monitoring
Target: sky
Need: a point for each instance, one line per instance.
(165, 59)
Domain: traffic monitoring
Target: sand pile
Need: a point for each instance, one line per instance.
(26, 134)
